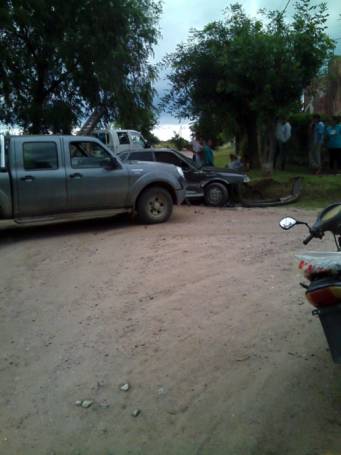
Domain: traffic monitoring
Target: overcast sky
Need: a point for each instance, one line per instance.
(179, 16)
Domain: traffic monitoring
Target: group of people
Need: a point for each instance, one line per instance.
(202, 152)
(328, 135)
(322, 136)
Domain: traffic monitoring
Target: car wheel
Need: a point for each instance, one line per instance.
(216, 195)
(155, 205)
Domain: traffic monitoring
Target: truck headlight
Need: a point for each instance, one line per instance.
(246, 179)
(180, 171)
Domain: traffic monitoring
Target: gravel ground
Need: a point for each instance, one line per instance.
(202, 316)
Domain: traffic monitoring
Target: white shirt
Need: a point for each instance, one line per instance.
(196, 146)
(283, 132)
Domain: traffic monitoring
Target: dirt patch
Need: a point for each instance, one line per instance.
(202, 317)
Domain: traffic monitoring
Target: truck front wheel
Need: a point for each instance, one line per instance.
(154, 205)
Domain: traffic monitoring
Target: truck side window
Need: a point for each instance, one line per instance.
(137, 139)
(123, 138)
(38, 156)
(88, 155)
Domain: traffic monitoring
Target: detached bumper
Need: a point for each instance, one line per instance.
(180, 196)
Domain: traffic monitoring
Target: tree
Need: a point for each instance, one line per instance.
(245, 71)
(62, 58)
(178, 141)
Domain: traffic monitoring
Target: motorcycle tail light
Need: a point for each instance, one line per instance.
(324, 296)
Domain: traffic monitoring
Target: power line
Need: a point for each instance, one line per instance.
(286, 6)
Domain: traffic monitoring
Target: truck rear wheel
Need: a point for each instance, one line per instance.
(155, 205)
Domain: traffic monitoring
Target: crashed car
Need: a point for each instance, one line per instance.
(217, 187)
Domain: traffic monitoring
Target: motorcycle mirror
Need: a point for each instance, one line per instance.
(287, 223)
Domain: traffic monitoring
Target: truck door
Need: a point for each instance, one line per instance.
(92, 182)
(39, 177)
(123, 141)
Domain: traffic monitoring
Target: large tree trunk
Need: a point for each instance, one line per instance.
(37, 124)
(267, 146)
(252, 143)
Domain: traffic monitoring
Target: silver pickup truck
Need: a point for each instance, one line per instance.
(55, 178)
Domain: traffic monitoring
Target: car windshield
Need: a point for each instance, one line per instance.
(187, 160)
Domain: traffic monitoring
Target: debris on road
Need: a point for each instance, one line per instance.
(125, 387)
(86, 404)
(136, 412)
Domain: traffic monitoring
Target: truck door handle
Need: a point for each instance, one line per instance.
(27, 178)
(77, 175)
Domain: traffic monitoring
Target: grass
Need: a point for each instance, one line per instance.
(318, 191)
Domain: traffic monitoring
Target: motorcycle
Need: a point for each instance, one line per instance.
(323, 271)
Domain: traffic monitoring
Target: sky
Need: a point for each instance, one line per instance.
(179, 16)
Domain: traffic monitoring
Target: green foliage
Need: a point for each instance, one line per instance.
(151, 138)
(208, 126)
(245, 71)
(179, 142)
(62, 58)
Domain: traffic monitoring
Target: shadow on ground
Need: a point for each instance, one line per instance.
(18, 233)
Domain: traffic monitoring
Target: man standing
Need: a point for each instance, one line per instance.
(197, 150)
(283, 134)
(208, 153)
(333, 136)
(317, 131)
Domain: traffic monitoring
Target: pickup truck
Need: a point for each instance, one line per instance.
(118, 140)
(57, 178)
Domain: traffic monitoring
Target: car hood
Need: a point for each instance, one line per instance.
(223, 172)
(135, 166)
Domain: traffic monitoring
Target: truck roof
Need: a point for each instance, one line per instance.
(118, 130)
(48, 135)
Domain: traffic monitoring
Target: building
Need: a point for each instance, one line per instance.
(324, 94)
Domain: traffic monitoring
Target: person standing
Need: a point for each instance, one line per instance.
(208, 153)
(283, 135)
(197, 150)
(235, 162)
(317, 131)
(333, 137)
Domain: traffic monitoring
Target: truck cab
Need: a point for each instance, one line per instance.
(118, 140)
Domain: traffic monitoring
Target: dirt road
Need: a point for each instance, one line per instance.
(203, 316)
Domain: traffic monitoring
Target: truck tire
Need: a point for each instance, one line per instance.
(155, 205)
(216, 194)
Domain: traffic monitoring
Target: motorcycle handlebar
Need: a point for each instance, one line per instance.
(308, 239)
